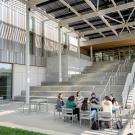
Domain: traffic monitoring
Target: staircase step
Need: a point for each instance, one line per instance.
(92, 79)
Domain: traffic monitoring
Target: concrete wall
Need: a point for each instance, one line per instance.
(52, 68)
(37, 75)
(76, 65)
(70, 64)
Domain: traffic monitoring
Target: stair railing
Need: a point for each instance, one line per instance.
(120, 70)
(128, 84)
(112, 79)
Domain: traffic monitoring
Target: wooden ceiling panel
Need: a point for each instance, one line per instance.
(108, 45)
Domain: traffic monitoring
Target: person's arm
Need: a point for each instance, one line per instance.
(102, 105)
(97, 100)
(62, 103)
(74, 104)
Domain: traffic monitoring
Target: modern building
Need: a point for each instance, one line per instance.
(49, 41)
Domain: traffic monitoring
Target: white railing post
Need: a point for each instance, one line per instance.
(100, 98)
(109, 85)
(119, 70)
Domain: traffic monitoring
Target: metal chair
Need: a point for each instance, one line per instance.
(55, 110)
(104, 116)
(67, 112)
(85, 116)
(44, 102)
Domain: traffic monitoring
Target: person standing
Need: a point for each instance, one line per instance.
(78, 99)
(60, 103)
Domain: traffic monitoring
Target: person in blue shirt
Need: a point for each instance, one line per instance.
(60, 103)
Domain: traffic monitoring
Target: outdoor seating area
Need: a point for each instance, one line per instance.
(87, 119)
(36, 104)
(67, 67)
(44, 122)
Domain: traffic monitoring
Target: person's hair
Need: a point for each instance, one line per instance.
(71, 98)
(114, 100)
(130, 134)
(59, 95)
(107, 98)
(84, 106)
(93, 94)
(77, 93)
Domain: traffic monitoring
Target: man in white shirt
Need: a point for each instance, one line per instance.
(107, 107)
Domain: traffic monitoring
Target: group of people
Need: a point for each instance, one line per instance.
(78, 103)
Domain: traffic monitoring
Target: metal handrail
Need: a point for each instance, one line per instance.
(128, 85)
(112, 78)
(119, 71)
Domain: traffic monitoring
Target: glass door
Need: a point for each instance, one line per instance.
(6, 80)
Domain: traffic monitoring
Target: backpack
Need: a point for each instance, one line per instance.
(119, 125)
(95, 125)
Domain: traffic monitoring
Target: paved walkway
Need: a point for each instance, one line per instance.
(44, 122)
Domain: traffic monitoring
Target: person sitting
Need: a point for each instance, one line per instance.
(86, 107)
(107, 107)
(78, 99)
(60, 103)
(130, 134)
(115, 105)
(71, 104)
(111, 97)
(94, 99)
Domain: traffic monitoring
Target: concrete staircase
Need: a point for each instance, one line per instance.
(92, 79)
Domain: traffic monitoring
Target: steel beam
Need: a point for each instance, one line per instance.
(104, 11)
(100, 15)
(107, 28)
(79, 15)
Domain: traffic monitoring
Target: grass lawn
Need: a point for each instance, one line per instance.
(15, 131)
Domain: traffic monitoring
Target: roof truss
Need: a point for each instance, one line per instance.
(92, 19)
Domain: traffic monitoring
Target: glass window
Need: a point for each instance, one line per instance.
(5, 81)
(73, 41)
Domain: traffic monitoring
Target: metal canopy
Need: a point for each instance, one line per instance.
(90, 18)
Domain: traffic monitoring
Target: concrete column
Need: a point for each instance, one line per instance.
(91, 53)
(43, 40)
(119, 55)
(79, 55)
(102, 56)
(67, 43)
(129, 53)
(113, 55)
(60, 61)
(27, 54)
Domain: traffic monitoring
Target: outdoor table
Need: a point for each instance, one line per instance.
(38, 103)
(98, 107)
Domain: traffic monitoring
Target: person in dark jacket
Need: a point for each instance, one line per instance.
(86, 107)
(94, 99)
